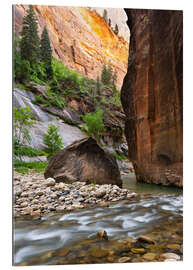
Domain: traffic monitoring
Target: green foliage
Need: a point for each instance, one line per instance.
(50, 99)
(27, 151)
(115, 99)
(52, 140)
(29, 45)
(23, 119)
(120, 157)
(46, 53)
(94, 124)
(108, 77)
(23, 167)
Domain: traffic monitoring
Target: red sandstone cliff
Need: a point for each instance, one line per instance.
(152, 95)
(80, 38)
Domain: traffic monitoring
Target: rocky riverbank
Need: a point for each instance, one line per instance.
(36, 196)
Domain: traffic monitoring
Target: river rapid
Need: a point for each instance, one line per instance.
(71, 238)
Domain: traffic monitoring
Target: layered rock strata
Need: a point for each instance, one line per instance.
(80, 38)
(152, 95)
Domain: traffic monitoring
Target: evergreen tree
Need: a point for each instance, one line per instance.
(105, 15)
(106, 75)
(46, 53)
(109, 22)
(29, 45)
(116, 31)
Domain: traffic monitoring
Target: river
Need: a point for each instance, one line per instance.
(71, 238)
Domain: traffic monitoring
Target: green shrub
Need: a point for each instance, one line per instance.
(27, 151)
(115, 99)
(120, 157)
(52, 140)
(23, 119)
(23, 167)
(93, 124)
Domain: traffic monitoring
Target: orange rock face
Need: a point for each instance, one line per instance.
(152, 96)
(80, 38)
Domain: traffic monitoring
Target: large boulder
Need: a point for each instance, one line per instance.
(152, 95)
(84, 161)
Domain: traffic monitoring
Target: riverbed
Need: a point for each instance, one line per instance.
(71, 238)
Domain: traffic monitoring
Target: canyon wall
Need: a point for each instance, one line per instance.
(81, 38)
(152, 95)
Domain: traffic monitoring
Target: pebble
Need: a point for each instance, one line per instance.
(34, 193)
(170, 256)
(50, 182)
(124, 259)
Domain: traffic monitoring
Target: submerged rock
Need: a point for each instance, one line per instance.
(84, 161)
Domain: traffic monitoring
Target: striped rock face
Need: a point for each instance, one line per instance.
(81, 38)
(152, 95)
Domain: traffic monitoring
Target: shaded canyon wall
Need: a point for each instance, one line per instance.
(152, 95)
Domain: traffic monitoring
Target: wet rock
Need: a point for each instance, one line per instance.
(124, 259)
(50, 182)
(60, 209)
(170, 256)
(145, 239)
(104, 204)
(149, 256)
(97, 252)
(87, 157)
(138, 250)
(174, 246)
(102, 235)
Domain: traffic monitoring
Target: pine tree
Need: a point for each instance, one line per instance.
(116, 29)
(105, 15)
(29, 45)
(46, 53)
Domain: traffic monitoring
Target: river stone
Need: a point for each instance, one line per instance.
(97, 252)
(146, 239)
(149, 256)
(174, 246)
(124, 259)
(84, 161)
(50, 182)
(170, 256)
(138, 250)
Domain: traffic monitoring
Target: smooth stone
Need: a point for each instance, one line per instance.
(39, 193)
(24, 204)
(174, 246)
(24, 194)
(50, 182)
(97, 252)
(146, 239)
(138, 250)
(18, 192)
(169, 256)
(124, 259)
(149, 256)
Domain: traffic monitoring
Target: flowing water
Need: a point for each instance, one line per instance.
(71, 238)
